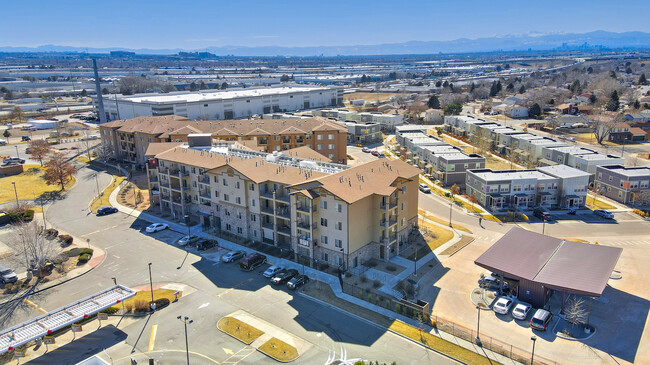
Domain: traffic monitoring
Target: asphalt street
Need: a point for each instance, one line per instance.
(213, 290)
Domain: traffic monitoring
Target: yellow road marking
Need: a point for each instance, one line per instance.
(152, 338)
(35, 306)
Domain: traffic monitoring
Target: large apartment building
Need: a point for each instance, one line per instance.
(223, 104)
(129, 138)
(627, 185)
(329, 213)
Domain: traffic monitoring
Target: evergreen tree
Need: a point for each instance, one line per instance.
(535, 110)
(193, 86)
(433, 103)
(642, 79)
(613, 104)
(522, 89)
(637, 104)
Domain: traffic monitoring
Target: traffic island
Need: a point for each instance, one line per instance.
(239, 330)
(279, 350)
(140, 304)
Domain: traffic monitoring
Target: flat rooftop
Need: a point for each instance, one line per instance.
(563, 171)
(629, 171)
(197, 96)
(489, 175)
(573, 150)
(600, 157)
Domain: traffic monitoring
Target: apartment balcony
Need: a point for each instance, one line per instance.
(205, 179)
(163, 170)
(285, 230)
(389, 206)
(268, 225)
(205, 193)
(179, 187)
(284, 213)
(205, 203)
(153, 178)
(268, 211)
(305, 208)
(391, 222)
(165, 197)
(278, 197)
(178, 172)
(305, 226)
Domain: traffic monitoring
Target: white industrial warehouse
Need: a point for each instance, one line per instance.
(225, 104)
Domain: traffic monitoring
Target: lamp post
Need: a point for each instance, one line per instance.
(114, 280)
(187, 222)
(187, 348)
(17, 155)
(478, 326)
(532, 355)
(450, 205)
(153, 305)
(543, 225)
(16, 192)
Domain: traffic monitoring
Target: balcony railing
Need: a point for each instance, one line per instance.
(286, 230)
(204, 193)
(205, 179)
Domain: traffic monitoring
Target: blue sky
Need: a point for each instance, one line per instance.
(197, 24)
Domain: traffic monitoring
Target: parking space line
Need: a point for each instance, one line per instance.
(152, 337)
(235, 287)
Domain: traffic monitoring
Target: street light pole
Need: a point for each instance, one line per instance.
(17, 155)
(478, 326)
(532, 355)
(187, 348)
(16, 192)
(543, 225)
(153, 305)
(450, 205)
(187, 222)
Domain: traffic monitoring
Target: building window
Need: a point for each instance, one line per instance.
(251, 187)
(339, 207)
(225, 183)
(330, 146)
(228, 227)
(226, 212)
(237, 185)
(325, 257)
(403, 205)
(252, 202)
(600, 176)
(403, 221)
(319, 137)
(226, 197)
(323, 204)
(238, 200)
(403, 190)
(253, 218)
(610, 178)
(216, 179)
(238, 215)
(338, 243)
(330, 156)
(323, 239)
(319, 147)
(323, 222)
(339, 226)
(239, 230)
(216, 194)
(330, 136)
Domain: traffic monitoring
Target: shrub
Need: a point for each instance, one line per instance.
(73, 252)
(84, 251)
(110, 310)
(161, 303)
(371, 264)
(376, 284)
(141, 306)
(66, 238)
(51, 233)
(363, 278)
(20, 215)
(391, 268)
(398, 309)
(83, 258)
(128, 307)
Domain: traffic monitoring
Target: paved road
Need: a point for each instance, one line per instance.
(214, 290)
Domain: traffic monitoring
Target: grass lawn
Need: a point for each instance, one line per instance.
(29, 184)
(239, 330)
(464, 241)
(450, 349)
(497, 164)
(435, 237)
(599, 204)
(145, 295)
(102, 200)
(279, 350)
(428, 216)
(82, 159)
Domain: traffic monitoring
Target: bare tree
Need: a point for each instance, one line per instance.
(17, 113)
(39, 149)
(58, 170)
(103, 152)
(575, 312)
(601, 128)
(34, 247)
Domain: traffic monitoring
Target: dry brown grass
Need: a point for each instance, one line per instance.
(239, 330)
(279, 350)
(29, 185)
(102, 201)
(369, 96)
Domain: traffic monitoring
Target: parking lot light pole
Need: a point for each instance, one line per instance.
(450, 205)
(153, 305)
(187, 222)
(187, 348)
(532, 355)
(543, 225)
(478, 326)
(16, 192)
(17, 155)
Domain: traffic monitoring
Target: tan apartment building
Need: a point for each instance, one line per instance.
(129, 138)
(323, 212)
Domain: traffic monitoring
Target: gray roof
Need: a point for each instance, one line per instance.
(563, 171)
(555, 263)
(628, 171)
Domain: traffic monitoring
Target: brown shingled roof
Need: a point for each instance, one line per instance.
(376, 177)
(160, 147)
(258, 170)
(192, 157)
(307, 153)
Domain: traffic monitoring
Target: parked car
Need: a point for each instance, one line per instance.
(365, 149)
(186, 240)
(106, 210)
(283, 276)
(521, 310)
(374, 153)
(206, 244)
(157, 227)
(3, 142)
(425, 189)
(13, 161)
(541, 319)
(488, 282)
(381, 155)
(232, 256)
(252, 261)
(297, 281)
(7, 275)
(272, 271)
(25, 139)
(604, 213)
(542, 214)
(502, 305)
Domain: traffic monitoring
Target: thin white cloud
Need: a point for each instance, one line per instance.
(266, 36)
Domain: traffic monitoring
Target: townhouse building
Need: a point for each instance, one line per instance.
(627, 185)
(323, 212)
(129, 138)
(386, 121)
(363, 133)
(552, 187)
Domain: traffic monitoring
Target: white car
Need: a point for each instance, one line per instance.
(424, 188)
(157, 227)
(521, 311)
(271, 271)
(188, 239)
(502, 305)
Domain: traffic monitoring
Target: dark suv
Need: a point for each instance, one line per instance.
(252, 261)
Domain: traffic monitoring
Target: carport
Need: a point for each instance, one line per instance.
(535, 265)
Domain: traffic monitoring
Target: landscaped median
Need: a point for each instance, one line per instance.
(140, 303)
(438, 344)
(239, 330)
(102, 200)
(279, 350)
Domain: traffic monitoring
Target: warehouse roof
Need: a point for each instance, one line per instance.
(553, 262)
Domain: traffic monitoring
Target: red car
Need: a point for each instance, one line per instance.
(374, 153)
